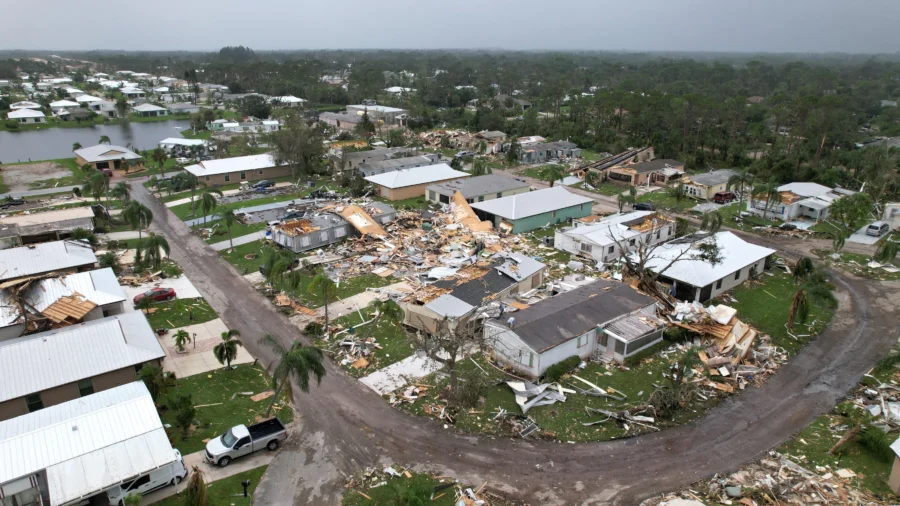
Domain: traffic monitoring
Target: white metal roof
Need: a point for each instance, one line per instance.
(375, 108)
(61, 356)
(25, 113)
(236, 164)
(106, 152)
(88, 444)
(148, 108)
(26, 104)
(735, 252)
(180, 141)
(416, 176)
(805, 189)
(449, 306)
(608, 230)
(87, 98)
(44, 257)
(63, 103)
(533, 203)
(288, 99)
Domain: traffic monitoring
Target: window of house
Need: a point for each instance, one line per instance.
(612, 248)
(657, 233)
(85, 387)
(631, 242)
(499, 195)
(737, 275)
(260, 172)
(481, 198)
(586, 247)
(718, 284)
(430, 194)
(243, 175)
(227, 177)
(582, 341)
(34, 402)
(553, 215)
(207, 178)
(137, 368)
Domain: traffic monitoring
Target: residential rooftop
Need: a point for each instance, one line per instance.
(479, 185)
(533, 203)
(106, 153)
(416, 175)
(45, 257)
(236, 164)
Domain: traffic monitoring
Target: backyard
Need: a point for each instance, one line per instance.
(42, 174)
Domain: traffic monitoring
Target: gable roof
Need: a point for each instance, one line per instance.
(652, 165)
(479, 185)
(63, 103)
(735, 252)
(148, 108)
(44, 257)
(236, 164)
(106, 152)
(554, 321)
(61, 356)
(805, 189)
(87, 98)
(712, 178)
(416, 176)
(533, 203)
(24, 113)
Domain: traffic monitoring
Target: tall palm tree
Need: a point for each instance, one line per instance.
(157, 380)
(768, 191)
(887, 250)
(208, 202)
(388, 311)
(739, 181)
(227, 350)
(104, 139)
(553, 173)
(230, 219)
(627, 198)
(814, 290)
(138, 216)
(80, 234)
(76, 146)
(711, 222)
(121, 191)
(298, 361)
(152, 248)
(159, 156)
(321, 283)
(94, 185)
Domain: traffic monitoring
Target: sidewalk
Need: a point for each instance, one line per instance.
(244, 239)
(198, 357)
(211, 473)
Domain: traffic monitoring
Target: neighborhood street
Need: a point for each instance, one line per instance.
(344, 427)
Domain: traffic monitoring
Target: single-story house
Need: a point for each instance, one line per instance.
(378, 113)
(399, 90)
(477, 189)
(240, 168)
(349, 160)
(705, 186)
(344, 121)
(656, 172)
(180, 144)
(87, 99)
(105, 108)
(693, 278)
(380, 167)
(76, 114)
(72, 452)
(66, 363)
(601, 318)
(799, 200)
(133, 93)
(26, 104)
(604, 240)
(36, 259)
(311, 233)
(82, 296)
(27, 116)
(22, 229)
(546, 151)
(150, 110)
(411, 183)
(509, 274)
(107, 156)
(63, 105)
(527, 211)
(183, 108)
(287, 101)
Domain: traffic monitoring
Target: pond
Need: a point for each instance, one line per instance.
(53, 143)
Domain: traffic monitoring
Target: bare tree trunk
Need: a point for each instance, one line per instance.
(852, 432)
(275, 397)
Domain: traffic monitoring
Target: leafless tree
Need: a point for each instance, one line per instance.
(449, 340)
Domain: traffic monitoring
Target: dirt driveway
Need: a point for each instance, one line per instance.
(20, 177)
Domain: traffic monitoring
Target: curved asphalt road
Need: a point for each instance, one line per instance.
(345, 427)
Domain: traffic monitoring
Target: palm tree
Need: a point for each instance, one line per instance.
(76, 146)
(208, 202)
(159, 156)
(815, 289)
(230, 219)
(627, 198)
(181, 338)
(94, 185)
(80, 234)
(321, 283)
(133, 499)
(887, 250)
(803, 269)
(711, 222)
(768, 191)
(157, 380)
(145, 303)
(137, 215)
(227, 350)
(187, 180)
(109, 259)
(553, 173)
(386, 310)
(124, 165)
(739, 181)
(104, 139)
(195, 494)
(512, 155)
(121, 191)
(151, 249)
(299, 361)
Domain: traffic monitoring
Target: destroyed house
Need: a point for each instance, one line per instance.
(351, 160)
(602, 319)
(605, 239)
(59, 365)
(528, 211)
(390, 165)
(507, 275)
(56, 301)
(625, 157)
(546, 151)
(477, 189)
(45, 226)
(798, 201)
(311, 233)
(35, 259)
(656, 172)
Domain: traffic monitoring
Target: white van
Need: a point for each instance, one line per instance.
(877, 229)
(169, 474)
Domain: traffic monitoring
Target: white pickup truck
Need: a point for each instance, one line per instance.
(241, 440)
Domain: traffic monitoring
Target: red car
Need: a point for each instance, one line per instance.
(724, 197)
(156, 294)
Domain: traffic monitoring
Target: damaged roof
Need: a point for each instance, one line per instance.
(507, 269)
(556, 320)
(480, 185)
(44, 257)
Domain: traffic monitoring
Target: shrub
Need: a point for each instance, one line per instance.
(639, 357)
(472, 386)
(557, 370)
(677, 335)
(12, 125)
(878, 442)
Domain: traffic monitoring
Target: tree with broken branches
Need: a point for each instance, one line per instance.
(298, 361)
(677, 391)
(813, 288)
(447, 343)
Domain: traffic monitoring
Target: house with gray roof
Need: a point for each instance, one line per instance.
(705, 186)
(477, 189)
(373, 168)
(107, 156)
(35, 259)
(606, 318)
(524, 212)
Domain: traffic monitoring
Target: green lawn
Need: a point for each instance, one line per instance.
(663, 200)
(185, 211)
(392, 338)
(225, 492)
(604, 188)
(177, 313)
(857, 264)
(765, 304)
(747, 223)
(220, 394)
(136, 118)
(200, 134)
(233, 186)
(220, 232)
(76, 178)
(534, 172)
(387, 494)
(592, 156)
(413, 203)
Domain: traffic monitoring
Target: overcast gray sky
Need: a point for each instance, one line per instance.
(858, 26)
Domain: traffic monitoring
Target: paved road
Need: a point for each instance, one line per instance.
(37, 193)
(346, 427)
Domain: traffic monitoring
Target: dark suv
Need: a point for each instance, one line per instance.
(265, 183)
(644, 206)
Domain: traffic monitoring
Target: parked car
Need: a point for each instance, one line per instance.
(169, 474)
(159, 293)
(107, 172)
(241, 440)
(724, 197)
(463, 154)
(644, 206)
(878, 229)
(182, 161)
(265, 183)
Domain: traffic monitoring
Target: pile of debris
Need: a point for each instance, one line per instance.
(373, 478)
(775, 479)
